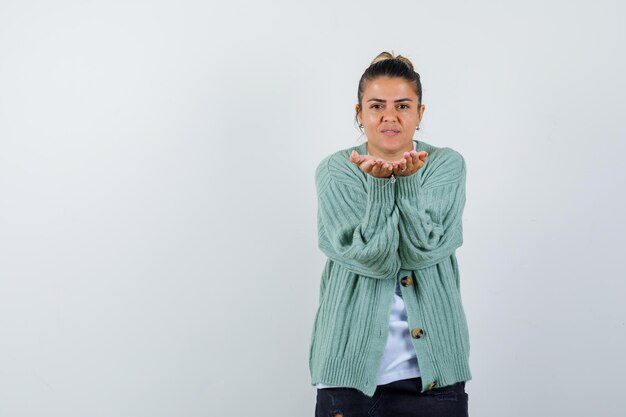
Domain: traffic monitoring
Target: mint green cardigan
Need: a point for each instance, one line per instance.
(373, 231)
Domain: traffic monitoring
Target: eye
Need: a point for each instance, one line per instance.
(376, 106)
(403, 106)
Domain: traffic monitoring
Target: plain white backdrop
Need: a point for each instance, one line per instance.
(158, 247)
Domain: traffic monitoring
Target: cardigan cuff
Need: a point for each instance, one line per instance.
(408, 187)
(381, 190)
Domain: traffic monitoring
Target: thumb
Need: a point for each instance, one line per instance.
(355, 157)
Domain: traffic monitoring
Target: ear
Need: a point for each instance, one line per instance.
(357, 109)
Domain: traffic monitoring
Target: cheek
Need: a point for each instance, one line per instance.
(372, 118)
(415, 118)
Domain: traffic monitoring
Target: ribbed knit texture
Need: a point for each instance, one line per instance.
(370, 229)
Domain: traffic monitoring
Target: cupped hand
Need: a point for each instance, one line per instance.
(376, 167)
(410, 163)
(371, 165)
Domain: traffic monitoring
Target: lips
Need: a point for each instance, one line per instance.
(390, 132)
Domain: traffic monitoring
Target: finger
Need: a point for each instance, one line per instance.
(418, 164)
(384, 169)
(367, 165)
(375, 170)
(403, 166)
(421, 159)
(399, 167)
(410, 165)
(388, 168)
(383, 172)
(356, 158)
(416, 159)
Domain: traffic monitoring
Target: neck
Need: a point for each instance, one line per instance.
(389, 156)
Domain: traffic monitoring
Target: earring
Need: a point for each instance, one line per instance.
(417, 128)
(361, 125)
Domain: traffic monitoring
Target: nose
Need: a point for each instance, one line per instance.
(390, 114)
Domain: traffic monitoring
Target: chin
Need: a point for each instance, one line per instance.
(395, 145)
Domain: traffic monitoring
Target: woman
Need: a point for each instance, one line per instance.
(390, 336)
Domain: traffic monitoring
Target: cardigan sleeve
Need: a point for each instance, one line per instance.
(431, 206)
(357, 219)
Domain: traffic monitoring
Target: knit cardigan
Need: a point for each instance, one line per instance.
(376, 231)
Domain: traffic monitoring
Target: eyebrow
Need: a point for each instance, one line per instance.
(378, 100)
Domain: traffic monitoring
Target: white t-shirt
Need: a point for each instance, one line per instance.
(399, 359)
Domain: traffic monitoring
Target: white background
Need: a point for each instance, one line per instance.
(158, 247)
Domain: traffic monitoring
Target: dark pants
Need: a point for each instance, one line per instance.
(397, 399)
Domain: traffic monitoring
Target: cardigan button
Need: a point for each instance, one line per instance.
(406, 281)
(417, 333)
(431, 385)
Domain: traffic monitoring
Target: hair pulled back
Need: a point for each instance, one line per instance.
(387, 64)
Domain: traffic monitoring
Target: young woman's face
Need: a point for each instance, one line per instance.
(389, 114)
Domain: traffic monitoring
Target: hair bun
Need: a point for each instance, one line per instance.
(390, 55)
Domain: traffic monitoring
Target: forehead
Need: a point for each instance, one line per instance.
(389, 88)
